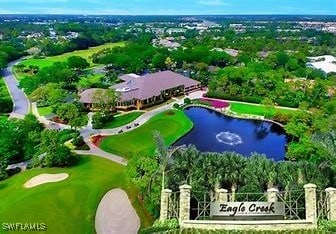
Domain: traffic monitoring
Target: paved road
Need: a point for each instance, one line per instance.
(21, 103)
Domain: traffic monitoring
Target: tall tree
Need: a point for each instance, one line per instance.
(105, 99)
(77, 63)
(164, 156)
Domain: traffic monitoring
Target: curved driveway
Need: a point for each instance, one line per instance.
(21, 104)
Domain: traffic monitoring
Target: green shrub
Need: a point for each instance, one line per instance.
(161, 226)
(250, 99)
(67, 135)
(6, 105)
(187, 101)
(65, 138)
(100, 119)
(83, 147)
(327, 226)
(176, 106)
(78, 141)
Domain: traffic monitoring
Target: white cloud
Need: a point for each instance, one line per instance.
(212, 2)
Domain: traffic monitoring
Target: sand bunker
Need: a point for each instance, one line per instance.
(45, 178)
(115, 214)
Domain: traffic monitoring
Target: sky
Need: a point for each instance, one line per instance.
(168, 7)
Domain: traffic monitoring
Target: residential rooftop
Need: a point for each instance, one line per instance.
(326, 63)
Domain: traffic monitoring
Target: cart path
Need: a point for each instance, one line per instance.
(21, 104)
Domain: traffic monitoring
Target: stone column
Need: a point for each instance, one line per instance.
(184, 213)
(222, 195)
(331, 203)
(164, 206)
(310, 202)
(272, 195)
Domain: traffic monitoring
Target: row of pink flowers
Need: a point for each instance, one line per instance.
(216, 103)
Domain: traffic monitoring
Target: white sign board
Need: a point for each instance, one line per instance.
(244, 209)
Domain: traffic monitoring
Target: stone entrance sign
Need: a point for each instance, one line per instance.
(247, 209)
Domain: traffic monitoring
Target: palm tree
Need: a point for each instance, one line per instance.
(164, 156)
(187, 160)
(328, 142)
(211, 168)
(235, 165)
(287, 175)
(261, 170)
(309, 172)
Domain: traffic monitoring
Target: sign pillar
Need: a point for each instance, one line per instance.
(331, 203)
(164, 206)
(222, 195)
(184, 202)
(310, 202)
(272, 195)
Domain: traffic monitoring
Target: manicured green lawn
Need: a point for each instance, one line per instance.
(68, 206)
(61, 58)
(256, 110)
(3, 117)
(43, 111)
(122, 120)
(171, 127)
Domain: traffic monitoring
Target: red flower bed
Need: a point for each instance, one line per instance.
(97, 139)
(215, 103)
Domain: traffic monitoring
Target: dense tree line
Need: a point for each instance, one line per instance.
(139, 56)
(256, 81)
(89, 35)
(309, 129)
(26, 139)
(64, 74)
(10, 51)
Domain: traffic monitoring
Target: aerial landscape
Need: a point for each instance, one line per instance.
(122, 117)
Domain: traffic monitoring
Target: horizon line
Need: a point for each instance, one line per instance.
(247, 14)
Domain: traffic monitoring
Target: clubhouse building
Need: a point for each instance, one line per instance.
(138, 92)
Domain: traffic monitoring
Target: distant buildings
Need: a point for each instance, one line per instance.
(319, 26)
(175, 30)
(168, 42)
(232, 52)
(238, 28)
(137, 92)
(326, 63)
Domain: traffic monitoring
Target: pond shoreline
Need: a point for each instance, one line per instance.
(258, 135)
(233, 115)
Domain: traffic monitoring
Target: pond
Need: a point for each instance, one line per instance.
(215, 132)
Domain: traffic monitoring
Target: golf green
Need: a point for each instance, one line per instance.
(172, 125)
(48, 61)
(68, 206)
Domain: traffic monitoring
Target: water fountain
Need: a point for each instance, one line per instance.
(229, 138)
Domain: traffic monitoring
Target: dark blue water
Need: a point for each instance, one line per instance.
(216, 132)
